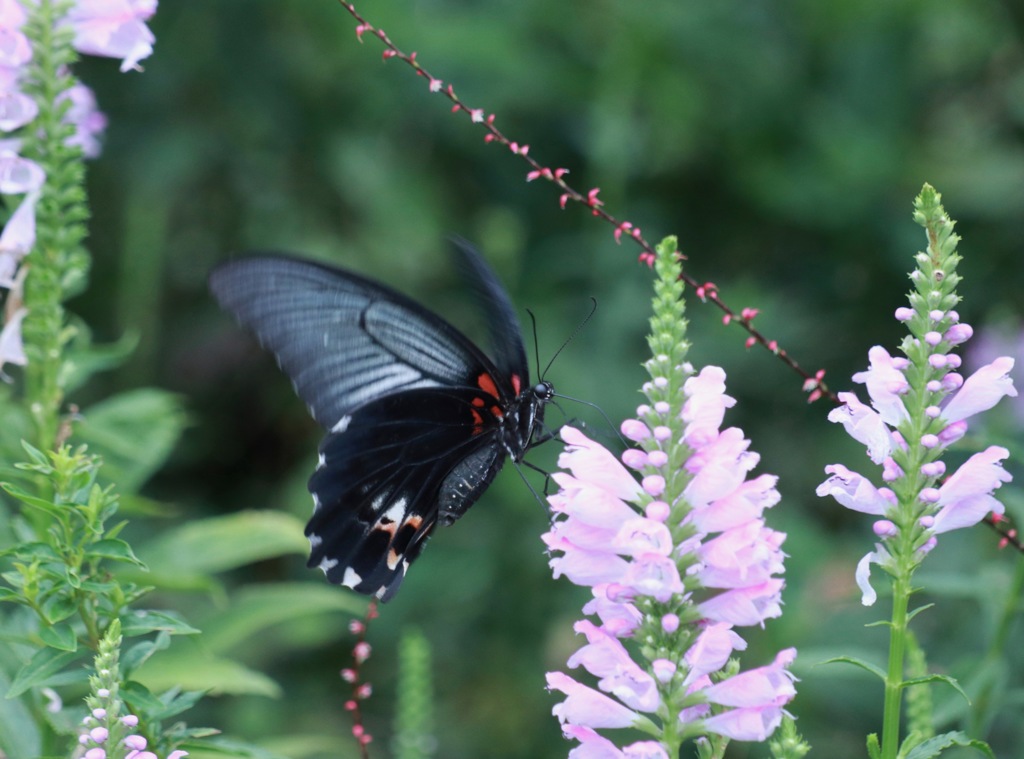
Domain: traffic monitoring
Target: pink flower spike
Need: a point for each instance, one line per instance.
(361, 29)
(748, 314)
(750, 342)
(477, 115)
(904, 314)
(435, 85)
(592, 199)
(563, 199)
(388, 53)
(726, 319)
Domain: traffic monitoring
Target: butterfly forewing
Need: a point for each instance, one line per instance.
(342, 339)
(420, 420)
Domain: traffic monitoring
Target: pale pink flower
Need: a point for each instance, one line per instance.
(588, 707)
(981, 391)
(11, 349)
(853, 491)
(113, 29)
(605, 657)
(886, 385)
(864, 425)
(712, 650)
(747, 606)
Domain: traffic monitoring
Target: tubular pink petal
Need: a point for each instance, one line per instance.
(586, 706)
(981, 391)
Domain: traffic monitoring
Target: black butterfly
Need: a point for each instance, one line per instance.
(419, 419)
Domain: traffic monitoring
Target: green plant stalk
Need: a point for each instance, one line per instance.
(894, 675)
(57, 262)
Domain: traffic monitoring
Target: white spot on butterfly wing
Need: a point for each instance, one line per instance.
(396, 513)
(328, 564)
(316, 503)
(342, 424)
(351, 578)
(314, 540)
(321, 462)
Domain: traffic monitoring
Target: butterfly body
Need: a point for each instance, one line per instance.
(419, 419)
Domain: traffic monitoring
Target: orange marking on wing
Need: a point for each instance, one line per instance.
(486, 383)
(478, 421)
(516, 383)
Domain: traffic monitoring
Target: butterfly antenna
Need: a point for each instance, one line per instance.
(580, 326)
(536, 347)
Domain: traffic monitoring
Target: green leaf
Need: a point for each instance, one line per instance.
(134, 432)
(191, 668)
(41, 668)
(115, 549)
(218, 544)
(58, 512)
(39, 458)
(874, 748)
(61, 637)
(177, 701)
(59, 606)
(136, 655)
(29, 551)
(950, 681)
(6, 594)
(221, 746)
(256, 608)
(142, 621)
(934, 746)
(873, 669)
(83, 358)
(19, 735)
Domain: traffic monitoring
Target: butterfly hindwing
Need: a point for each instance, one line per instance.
(401, 465)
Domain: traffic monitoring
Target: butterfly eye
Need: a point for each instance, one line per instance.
(544, 391)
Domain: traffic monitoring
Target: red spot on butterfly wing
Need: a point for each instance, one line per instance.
(486, 383)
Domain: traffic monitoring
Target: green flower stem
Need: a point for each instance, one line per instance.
(57, 264)
(894, 675)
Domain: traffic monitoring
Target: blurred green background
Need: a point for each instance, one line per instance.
(782, 141)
